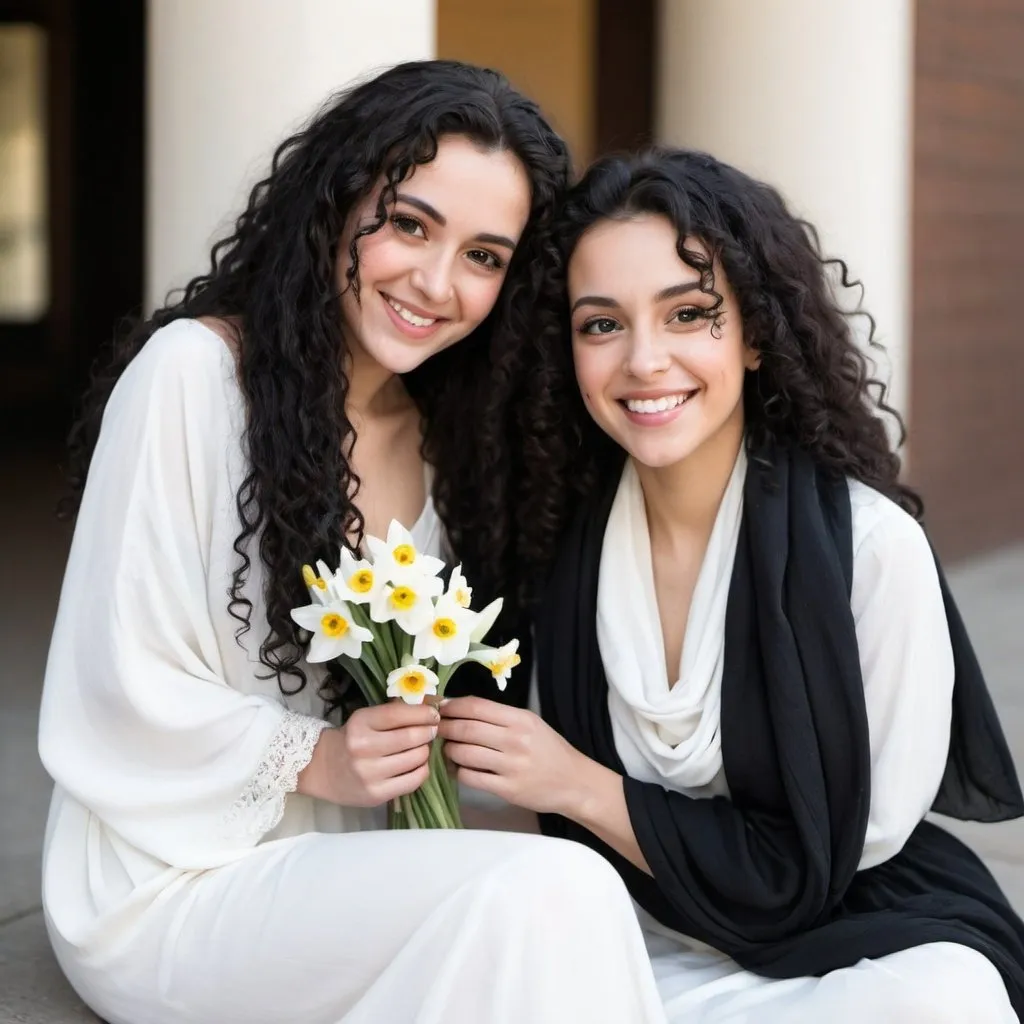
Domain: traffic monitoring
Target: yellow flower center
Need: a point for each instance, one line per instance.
(403, 598)
(334, 625)
(504, 665)
(444, 629)
(462, 597)
(361, 582)
(310, 578)
(412, 682)
(405, 554)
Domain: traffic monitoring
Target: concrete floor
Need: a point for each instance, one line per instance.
(32, 551)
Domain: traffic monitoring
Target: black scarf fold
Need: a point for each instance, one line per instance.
(770, 876)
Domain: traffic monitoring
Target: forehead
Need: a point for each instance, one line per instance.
(472, 187)
(630, 253)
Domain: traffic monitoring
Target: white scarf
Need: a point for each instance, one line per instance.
(668, 734)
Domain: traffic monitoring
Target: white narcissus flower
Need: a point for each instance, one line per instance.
(397, 560)
(334, 632)
(459, 588)
(500, 660)
(318, 582)
(446, 637)
(485, 620)
(357, 579)
(409, 603)
(412, 683)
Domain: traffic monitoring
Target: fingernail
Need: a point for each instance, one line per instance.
(447, 700)
(433, 731)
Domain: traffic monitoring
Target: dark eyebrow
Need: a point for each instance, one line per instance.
(677, 289)
(425, 208)
(438, 218)
(495, 240)
(593, 300)
(665, 293)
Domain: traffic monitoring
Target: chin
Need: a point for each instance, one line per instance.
(660, 453)
(401, 358)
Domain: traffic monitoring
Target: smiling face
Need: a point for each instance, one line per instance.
(660, 369)
(432, 273)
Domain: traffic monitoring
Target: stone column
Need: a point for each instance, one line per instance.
(230, 79)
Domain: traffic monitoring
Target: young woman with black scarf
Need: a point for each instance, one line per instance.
(752, 683)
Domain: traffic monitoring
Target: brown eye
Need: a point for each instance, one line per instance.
(689, 315)
(599, 325)
(407, 225)
(483, 258)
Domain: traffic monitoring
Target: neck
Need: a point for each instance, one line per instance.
(683, 499)
(374, 392)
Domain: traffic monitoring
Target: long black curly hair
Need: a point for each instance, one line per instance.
(274, 277)
(814, 387)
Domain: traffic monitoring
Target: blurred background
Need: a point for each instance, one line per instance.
(131, 130)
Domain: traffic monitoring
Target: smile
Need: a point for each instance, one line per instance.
(650, 406)
(408, 315)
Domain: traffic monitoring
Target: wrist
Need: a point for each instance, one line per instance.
(595, 788)
(316, 779)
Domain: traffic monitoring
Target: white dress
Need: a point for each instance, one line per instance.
(668, 732)
(183, 879)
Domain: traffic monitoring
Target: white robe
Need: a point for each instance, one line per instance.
(667, 731)
(183, 880)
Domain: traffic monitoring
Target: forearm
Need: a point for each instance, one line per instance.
(599, 805)
(317, 779)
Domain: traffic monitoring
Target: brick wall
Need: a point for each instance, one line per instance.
(967, 352)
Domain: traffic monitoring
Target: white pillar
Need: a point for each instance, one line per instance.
(230, 79)
(813, 97)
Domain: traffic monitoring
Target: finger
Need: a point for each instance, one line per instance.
(395, 765)
(481, 709)
(393, 741)
(470, 730)
(401, 784)
(486, 782)
(467, 755)
(397, 714)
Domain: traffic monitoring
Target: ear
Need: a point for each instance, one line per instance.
(751, 358)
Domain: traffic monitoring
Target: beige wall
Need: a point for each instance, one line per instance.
(814, 97)
(544, 46)
(228, 80)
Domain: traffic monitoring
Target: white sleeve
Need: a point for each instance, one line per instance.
(907, 664)
(140, 723)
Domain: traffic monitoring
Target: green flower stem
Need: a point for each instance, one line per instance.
(387, 640)
(435, 804)
(371, 692)
(369, 655)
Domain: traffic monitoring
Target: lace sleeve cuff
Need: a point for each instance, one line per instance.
(260, 807)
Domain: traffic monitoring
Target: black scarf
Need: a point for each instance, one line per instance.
(770, 876)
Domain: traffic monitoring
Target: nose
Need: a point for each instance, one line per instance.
(646, 357)
(432, 277)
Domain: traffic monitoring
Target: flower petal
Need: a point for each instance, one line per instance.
(487, 619)
(308, 616)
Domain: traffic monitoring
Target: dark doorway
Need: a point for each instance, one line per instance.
(625, 66)
(74, 266)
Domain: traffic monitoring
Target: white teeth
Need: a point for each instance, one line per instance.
(409, 317)
(653, 405)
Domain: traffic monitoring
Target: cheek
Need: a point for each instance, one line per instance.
(478, 297)
(593, 371)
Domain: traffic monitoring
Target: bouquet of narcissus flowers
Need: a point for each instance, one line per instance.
(400, 633)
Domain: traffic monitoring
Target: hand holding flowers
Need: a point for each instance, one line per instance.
(391, 623)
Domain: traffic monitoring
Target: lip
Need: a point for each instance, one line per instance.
(403, 325)
(640, 396)
(657, 419)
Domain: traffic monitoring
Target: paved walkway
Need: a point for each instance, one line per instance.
(32, 550)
